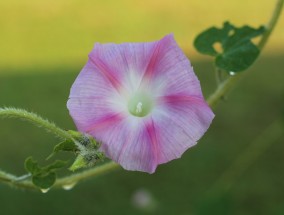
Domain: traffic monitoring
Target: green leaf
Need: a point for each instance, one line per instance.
(66, 145)
(32, 166)
(204, 41)
(79, 163)
(58, 164)
(43, 177)
(238, 51)
(45, 180)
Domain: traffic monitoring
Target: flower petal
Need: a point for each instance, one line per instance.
(180, 122)
(130, 62)
(93, 98)
(114, 76)
(111, 61)
(170, 71)
(130, 143)
(124, 63)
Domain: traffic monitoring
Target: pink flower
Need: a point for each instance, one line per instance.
(142, 101)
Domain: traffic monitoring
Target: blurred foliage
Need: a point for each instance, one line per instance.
(36, 32)
(179, 187)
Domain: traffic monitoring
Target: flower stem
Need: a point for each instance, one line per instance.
(13, 181)
(223, 89)
(271, 24)
(36, 120)
(92, 172)
(228, 84)
(218, 76)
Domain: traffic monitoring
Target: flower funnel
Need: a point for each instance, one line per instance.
(142, 101)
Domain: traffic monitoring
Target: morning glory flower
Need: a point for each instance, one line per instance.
(142, 101)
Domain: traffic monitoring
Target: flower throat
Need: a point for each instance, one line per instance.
(140, 104)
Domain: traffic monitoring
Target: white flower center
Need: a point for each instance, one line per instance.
(140, 104)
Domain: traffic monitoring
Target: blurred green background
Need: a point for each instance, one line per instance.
(43, 46)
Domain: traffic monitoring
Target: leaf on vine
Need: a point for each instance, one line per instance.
(44, 181)
(43, 177)
(238, 51)
(79, 163)
(66, 145)
(32, 166)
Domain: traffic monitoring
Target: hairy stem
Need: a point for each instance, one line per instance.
(36, 120)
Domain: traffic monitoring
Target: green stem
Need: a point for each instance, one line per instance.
(60, 182)
(35, 119)
(228, 84)
(223, 89)
(272, 23)
(6, 177)
(13, 181)
(74, 178)
(218, 76)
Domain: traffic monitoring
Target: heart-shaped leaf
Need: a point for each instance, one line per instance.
(238, 51)
(43, 177)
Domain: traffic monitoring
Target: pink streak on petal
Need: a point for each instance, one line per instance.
(104, 122)
(153, 61)
(180, 123)
(103, 68)
(92, 97)
(126, 62)
(170, 71)
(130, 143)
(152, 133)
(179, 98)
(92, 112)
(113, 137)
(138, 152)
(158, 52)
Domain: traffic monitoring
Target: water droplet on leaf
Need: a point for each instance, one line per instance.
(69, 186)
(44, 190)
(232, 73)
